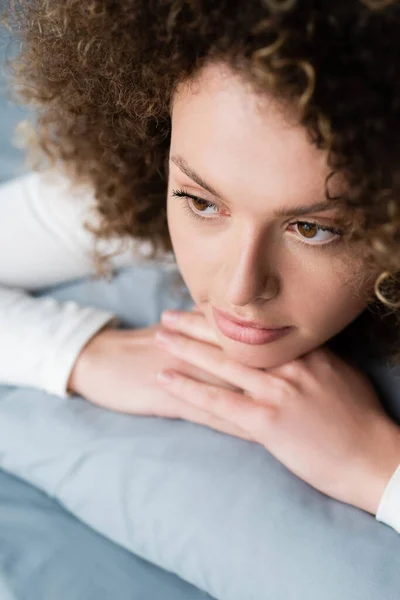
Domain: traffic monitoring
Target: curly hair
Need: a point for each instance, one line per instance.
(101, 75)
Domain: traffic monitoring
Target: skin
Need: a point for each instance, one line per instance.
(244, 260)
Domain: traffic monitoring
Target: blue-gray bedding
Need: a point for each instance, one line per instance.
(47, 554)
(221, 513)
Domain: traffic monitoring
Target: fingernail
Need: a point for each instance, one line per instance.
(164, 376)
(169, 316)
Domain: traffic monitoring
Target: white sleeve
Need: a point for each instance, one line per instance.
(43, 242)
(40, 339)
(389, 507)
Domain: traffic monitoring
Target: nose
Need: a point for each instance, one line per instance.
(248, 274)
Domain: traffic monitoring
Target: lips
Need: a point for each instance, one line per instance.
(247, 334)
(245, 323)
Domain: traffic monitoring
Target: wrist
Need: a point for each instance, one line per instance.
(84, 361)
(73, 383)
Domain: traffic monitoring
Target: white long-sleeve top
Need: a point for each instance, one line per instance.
(43, 242)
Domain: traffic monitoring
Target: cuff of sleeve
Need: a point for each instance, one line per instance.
(389, 507)
(58, 367)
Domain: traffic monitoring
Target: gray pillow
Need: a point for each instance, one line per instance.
(220, 512)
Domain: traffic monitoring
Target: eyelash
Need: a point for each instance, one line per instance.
(185, 196)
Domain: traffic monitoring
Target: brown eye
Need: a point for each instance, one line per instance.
(195, 205)
(308, 230)
(199, 204)
(313, 231)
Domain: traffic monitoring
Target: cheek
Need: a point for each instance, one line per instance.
(332, 295)
(176, 226)
(192, 252)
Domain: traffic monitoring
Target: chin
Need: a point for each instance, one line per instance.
(268, 356)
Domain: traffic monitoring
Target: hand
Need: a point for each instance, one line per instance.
(317, 415)
(117, 370)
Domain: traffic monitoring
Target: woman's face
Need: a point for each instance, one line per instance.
(239, 244)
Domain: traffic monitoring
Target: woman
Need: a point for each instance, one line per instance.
(271, 129)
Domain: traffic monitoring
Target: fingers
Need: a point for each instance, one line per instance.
(202, 417)
(260, 384)
(193, 324)
(230, 407)
(192, 371)
(177, 408)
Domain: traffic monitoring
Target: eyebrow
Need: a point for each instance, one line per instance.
(295, 211)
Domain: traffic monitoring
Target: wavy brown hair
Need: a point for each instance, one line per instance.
(101, 74)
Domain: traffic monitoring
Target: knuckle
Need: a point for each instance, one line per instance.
(283, 391)
(286, 388)
(267, 416)
(291, 369)
(213, 393)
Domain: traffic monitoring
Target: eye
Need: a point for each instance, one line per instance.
(196, 205)
(311, 231)
(306, 230)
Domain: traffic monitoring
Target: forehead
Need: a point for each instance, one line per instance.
(242, 143)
